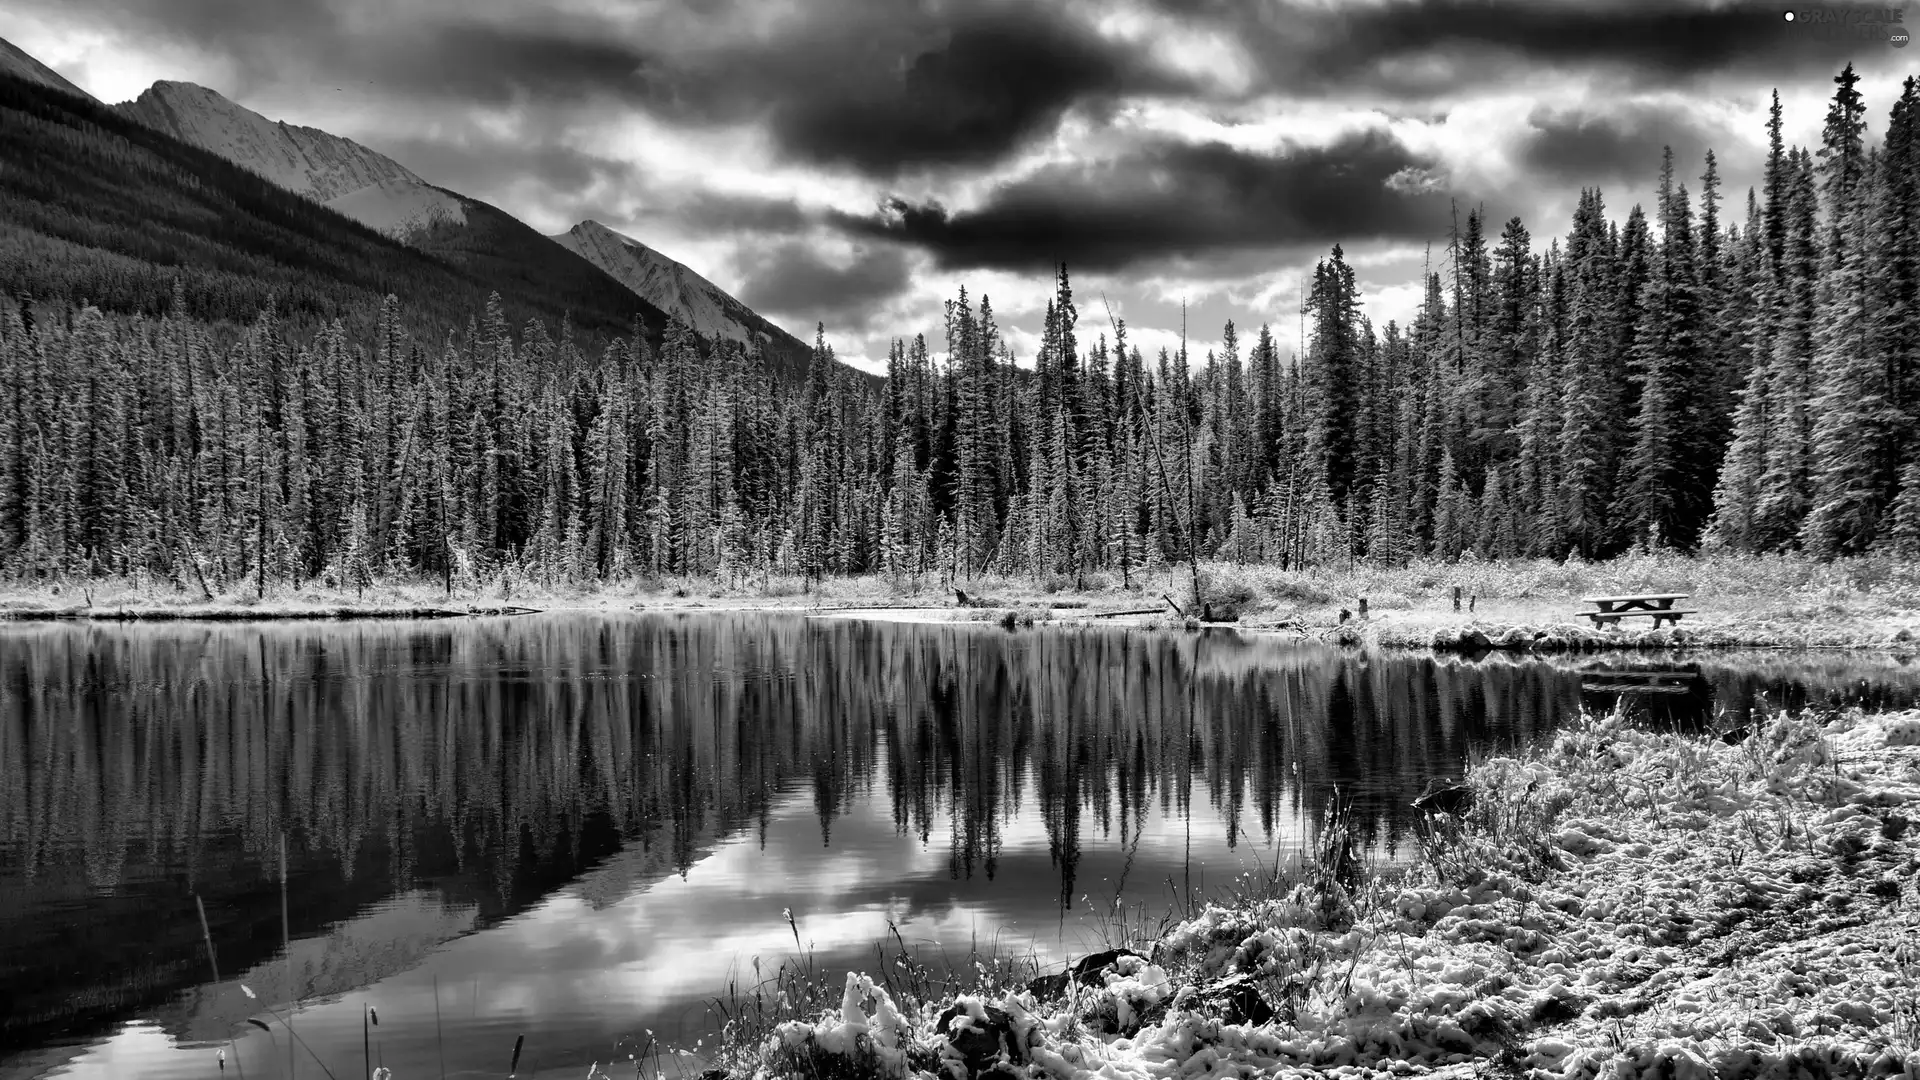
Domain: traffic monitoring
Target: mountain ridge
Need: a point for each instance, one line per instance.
(672, 286)
(97, 207)
(17, 62)
(332, 170)
(366, 186)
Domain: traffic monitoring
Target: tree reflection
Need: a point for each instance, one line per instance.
(495, 760)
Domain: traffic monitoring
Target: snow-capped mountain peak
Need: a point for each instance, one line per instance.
(667, 284)
(360, 183)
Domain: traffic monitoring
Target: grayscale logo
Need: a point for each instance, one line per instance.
(1847, 22)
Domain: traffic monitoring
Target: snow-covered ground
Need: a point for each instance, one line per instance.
(1617, 904)
(400, 208)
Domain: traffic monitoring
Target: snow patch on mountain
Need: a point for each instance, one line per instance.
(661, 281)
(339, 173)
(400, 210)
(15, 62)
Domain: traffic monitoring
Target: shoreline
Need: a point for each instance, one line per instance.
(1617, 903)
(1465, 636)
(1518, 606)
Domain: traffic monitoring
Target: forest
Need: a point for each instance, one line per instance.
(1690, 378)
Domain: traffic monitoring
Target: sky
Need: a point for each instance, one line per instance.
(856, 162)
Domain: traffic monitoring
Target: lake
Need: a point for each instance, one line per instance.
(578, 828)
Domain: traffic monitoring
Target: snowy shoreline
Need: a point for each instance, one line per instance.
(1467, 637)
(1514, 606)
(1618, 903)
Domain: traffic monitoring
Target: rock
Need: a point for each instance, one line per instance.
(979, 1046)
(1089, 970)
(1048, 987)
(1237, 1000)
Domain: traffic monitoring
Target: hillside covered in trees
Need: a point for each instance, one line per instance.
(97, 208)
(1693, 376)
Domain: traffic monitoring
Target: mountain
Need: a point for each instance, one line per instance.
(338, 173)
(98, 207)
(671, 287)
(380, 193)
(21, 66)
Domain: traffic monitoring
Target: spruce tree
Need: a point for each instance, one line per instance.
(1786, 477)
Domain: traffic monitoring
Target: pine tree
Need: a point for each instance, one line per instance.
(1853, 424)
(1903, 539)
(1452, 523)
(1786, 478)
(1337, 375)
(970, 367)
(607, 457)
(1736, 497)
(1668, 484)
(1592, 401)
(1386, 531)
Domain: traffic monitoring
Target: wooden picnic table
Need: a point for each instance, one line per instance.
(1609, 610)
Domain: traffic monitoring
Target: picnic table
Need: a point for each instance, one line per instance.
(1656, 606)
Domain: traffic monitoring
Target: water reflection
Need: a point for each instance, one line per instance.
(572, 826)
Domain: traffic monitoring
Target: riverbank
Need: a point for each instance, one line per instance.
(1525, 606)
(1618, 903)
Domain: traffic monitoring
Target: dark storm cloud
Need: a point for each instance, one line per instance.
(1589, 146)
(792, 278)
(887, 87)
(1176, 200)
(478, 165)
(891, 87)
(1415, 47)
(766, 216)
(407, 50)
(878, 86)
(492, 64)
(994, 81)
(1617, 149)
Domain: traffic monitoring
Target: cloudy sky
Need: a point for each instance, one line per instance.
(856, 161)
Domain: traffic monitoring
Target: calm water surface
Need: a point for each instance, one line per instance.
(577, 828)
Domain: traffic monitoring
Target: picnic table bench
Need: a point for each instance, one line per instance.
(1656, 606)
